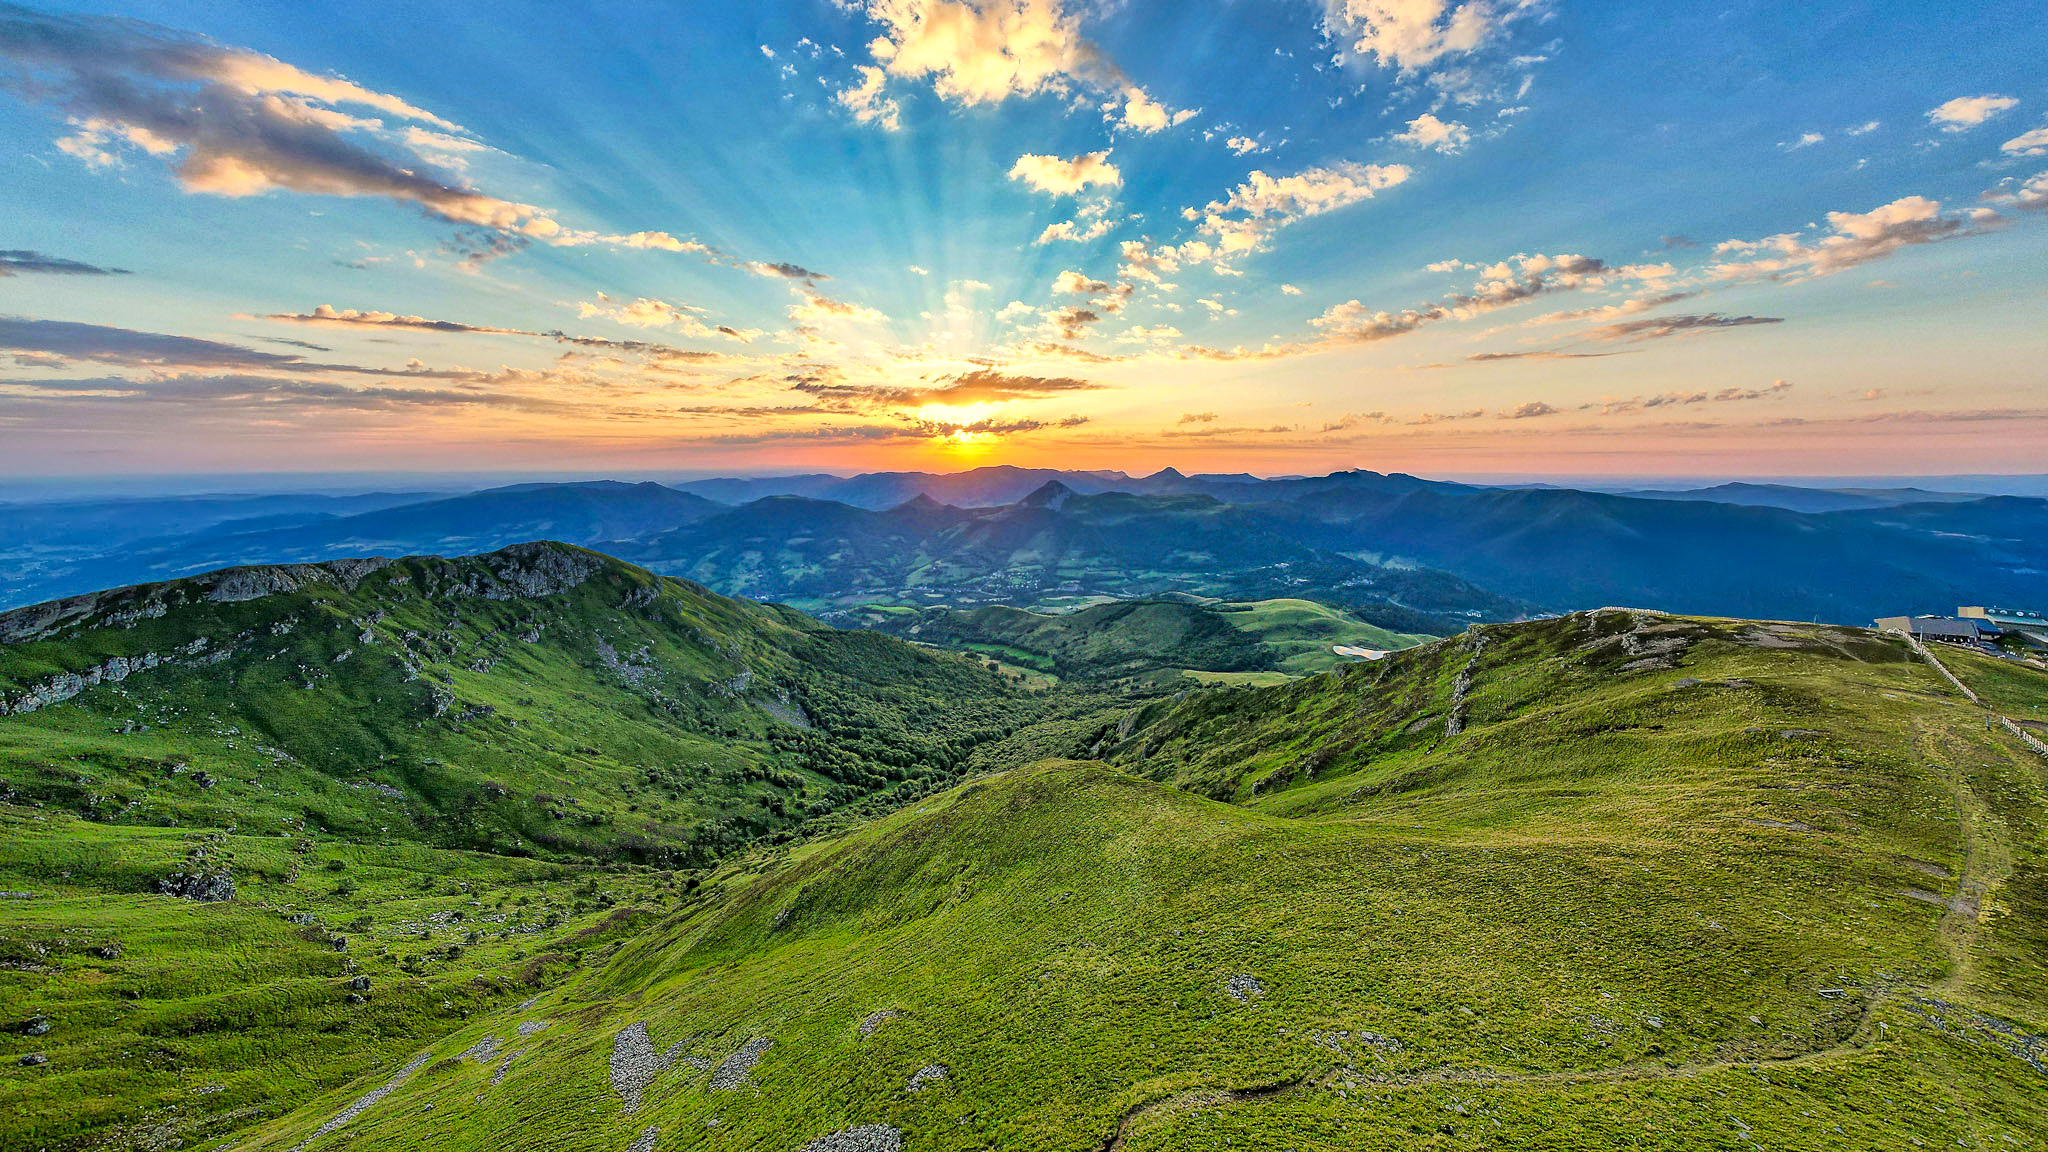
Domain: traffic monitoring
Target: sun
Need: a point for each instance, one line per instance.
(957, 415)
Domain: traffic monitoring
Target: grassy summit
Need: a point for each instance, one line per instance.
(1614, 880)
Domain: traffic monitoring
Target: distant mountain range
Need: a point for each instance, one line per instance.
(1405, 553)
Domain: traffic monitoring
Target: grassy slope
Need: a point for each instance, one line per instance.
(483, 792)
(1150, 640)
(1796, 904)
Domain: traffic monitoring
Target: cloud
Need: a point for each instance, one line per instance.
(1684, 399)
(1072, 230)
(2028, 196)
(786, 271)
(1063, 177)
(1629, 307)
(1858, 238)
(649, 312)
(1502, 285)
(1426, 131)
(1445, 417)
(235, 123)
(1289, 290)
(1141, 113)
(1807, 140)
(818, 308)
(1255, 209)
(1242, 145)
(1072, 322)
(1966, 112)
(22, 261)
(328, 316)
(661, 241)
(126, 346)
(1413, 34)
(1197, 418)
(2033, 143)
(867, 103)
(143, 405)
(1660, 327)
(1072, 283)
(1546, 354)
(1529, 410)
(1351, 420)
(987, 51)
(983, 386)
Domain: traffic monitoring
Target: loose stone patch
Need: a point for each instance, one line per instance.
(366, 1101)
(734, 1069)
(929, 1074)
(481, 1051)
(634, 1065)
(505, 1065)
(866, 1138)
(1244, 989)
(529, 1027)
(876, 1019)
(645, 1143)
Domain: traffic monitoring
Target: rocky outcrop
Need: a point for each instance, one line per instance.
(65, 685)
(207, 885)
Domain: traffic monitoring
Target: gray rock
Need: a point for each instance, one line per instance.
(876, 1019)
(34, 1059)
(645, 1143)
(1244, 989)
(209, 886)
(734, 1069)
(36, 1026)
(866, 1138)
(634, 1065)
(929, 1074)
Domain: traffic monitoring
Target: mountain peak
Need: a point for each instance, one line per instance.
(922, 502)
(1051, 495)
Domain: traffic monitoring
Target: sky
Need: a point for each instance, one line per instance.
(1490, 236)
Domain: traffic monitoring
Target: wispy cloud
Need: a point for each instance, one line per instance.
(22, 262)
(1664, 327)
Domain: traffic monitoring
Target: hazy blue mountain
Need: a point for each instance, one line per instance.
(1568, 549)
(1056, 546)
(458, 525)
(1411, 554)
(1797, 499)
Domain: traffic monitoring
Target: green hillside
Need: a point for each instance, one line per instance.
(448, 780)
(1148, 641)
(1665, 884)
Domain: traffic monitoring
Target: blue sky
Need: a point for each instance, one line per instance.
(1498, 235)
